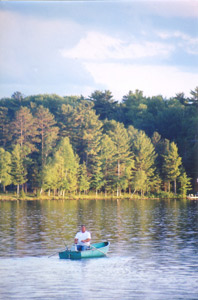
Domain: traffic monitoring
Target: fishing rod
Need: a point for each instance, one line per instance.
(57, 252)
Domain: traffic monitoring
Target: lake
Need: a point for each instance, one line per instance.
(153, 252)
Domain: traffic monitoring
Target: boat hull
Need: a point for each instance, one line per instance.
(97, 250)
(192, 197)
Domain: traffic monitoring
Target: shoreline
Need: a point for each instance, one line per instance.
(30, 197)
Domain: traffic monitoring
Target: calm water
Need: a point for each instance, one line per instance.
(153, 253)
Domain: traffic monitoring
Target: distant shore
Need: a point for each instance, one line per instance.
(32, 197)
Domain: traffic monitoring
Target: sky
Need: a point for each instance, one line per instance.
(77, 47)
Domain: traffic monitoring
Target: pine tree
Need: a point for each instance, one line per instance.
(144, 156)
(66, 121)
(5, 168)
(97, 180)
(108, 162)
(171, 164)
(4, 127)
(133, 106)
(140, 182)
(194, 98)
(82, 125)
(83, 182)
(47, 132)
(50, 177)
(18, 171)
(64, 167)
(24, 129)
(120, 137)
(87, 133)
(67, 163)
(104, 105)
(185, 183)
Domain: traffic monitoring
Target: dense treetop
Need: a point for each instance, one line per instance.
(69, 144)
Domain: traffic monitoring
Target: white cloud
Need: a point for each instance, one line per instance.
(98, 46)
(30, 34)
(174, 8)
(187, 42)
(152, 80)
(30, 45)
(30, 50)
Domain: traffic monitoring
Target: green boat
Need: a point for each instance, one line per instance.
(96, 250)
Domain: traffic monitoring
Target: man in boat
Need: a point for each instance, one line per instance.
(82, 239)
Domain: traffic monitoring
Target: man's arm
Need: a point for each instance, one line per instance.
(86, 241)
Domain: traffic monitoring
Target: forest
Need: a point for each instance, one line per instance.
(73, 145)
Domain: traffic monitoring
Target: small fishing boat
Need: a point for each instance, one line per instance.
(192, 197)
(96, 250)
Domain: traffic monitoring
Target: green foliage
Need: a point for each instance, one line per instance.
(171, 164)
(185, 183)
(24, 129)
(145, 158)
(4, 127)
(18, 170)
(122, 155)
(140, 181)
(83, 179)
(97, 180)
(69, 143)
(5, 168)
(194, 98)
(104, 105)
(62, 170)
(108, 161)
(47, 132)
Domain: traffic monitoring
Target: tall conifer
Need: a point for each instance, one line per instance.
(171, 164)
(18, 171)
(5, 168)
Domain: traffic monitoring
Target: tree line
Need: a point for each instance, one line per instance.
(142, 145)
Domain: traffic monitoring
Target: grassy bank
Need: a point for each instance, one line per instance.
(91, 196)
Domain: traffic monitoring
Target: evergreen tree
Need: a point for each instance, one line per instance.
(139, 183)
(144, 156)
(161, 146)
(97, 180)
(133, 106)
(47, 132)
(193, 139)
(50, 177)
(194, 98)
(185, 183)
(18, 171)
(4, 127)
(86, 129)
(108, 162)
(5, 168)
(36, 176)
(175, 119)
(64, 167)
(24, 129)
(83, 182)
(18, 96)
(104, 105)
(67, 165)
(66, 121)
(171, 164)
(120, 137)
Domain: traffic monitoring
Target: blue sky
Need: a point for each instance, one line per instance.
(77, 47)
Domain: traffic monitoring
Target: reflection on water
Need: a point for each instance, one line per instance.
(153, 252)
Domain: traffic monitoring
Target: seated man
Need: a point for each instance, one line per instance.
(82, 239)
